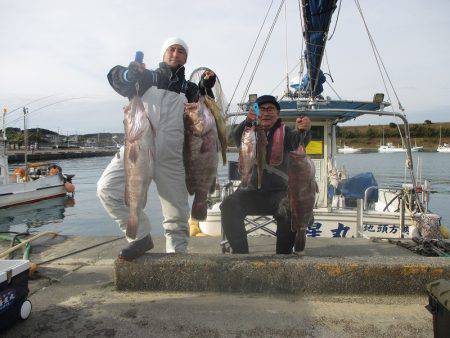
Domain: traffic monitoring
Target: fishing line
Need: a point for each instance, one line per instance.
(48, 105)
(33, 101)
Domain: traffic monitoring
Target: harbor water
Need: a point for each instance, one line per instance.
(85, 215)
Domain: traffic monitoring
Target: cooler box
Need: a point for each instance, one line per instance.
(439, 306)
(14, 304)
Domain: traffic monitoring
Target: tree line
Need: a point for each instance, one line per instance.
(425, 130)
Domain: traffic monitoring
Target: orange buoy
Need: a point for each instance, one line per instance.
(69, 187)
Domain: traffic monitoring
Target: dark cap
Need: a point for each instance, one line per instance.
(268, 99)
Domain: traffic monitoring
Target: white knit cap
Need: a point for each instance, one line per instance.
(173, 41)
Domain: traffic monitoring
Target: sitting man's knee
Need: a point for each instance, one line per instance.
(228, 203)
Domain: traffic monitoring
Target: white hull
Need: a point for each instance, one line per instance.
(416, 149)
(443, 149)
(348, 150)
(339, 223)
(388, 150)
(46, 187)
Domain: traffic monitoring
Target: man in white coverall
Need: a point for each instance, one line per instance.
(166, 91)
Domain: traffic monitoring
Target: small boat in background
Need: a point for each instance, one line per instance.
(416, 148)
(445, 148)
(442, 148)
(348, 150)
(390, 148)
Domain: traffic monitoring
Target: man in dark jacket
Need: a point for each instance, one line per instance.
(271, 199)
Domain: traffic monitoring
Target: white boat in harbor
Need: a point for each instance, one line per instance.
(390, 148)
(416, 149)
(345, 207)
(442, 148)
(445, 148)
(348, 150)
(33, 183)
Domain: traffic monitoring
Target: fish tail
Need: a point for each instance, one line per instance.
(224, 155)
(132, 226)
(199, 207)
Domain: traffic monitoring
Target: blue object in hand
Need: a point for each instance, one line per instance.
(256, 109)
(139, 57)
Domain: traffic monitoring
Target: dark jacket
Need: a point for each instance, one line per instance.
(163, 77)
(292, 138)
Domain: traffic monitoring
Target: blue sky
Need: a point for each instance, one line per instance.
(65, 49)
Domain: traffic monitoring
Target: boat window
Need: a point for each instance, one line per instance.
(315, 147)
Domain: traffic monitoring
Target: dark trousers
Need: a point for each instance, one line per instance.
(242, 203)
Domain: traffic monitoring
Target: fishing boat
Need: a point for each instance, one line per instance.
(32, 182)
(346, 207)
(348, 150)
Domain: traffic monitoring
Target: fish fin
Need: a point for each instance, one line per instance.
(207, 144)
(134, 153)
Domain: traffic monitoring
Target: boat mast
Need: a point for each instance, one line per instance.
(317, 18)
(25, 141)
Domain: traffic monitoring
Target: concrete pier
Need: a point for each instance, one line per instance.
(344, 266)
(73, 294)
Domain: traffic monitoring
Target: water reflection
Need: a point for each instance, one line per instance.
(35, 214)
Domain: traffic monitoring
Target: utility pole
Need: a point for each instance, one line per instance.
(5, 110)
(57, 140)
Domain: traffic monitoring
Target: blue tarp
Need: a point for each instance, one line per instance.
(355, 187)
(317, 16)
(304, 86)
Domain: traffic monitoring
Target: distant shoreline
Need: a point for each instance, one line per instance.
(18, 156)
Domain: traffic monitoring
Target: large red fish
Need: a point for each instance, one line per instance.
(138, 160)
(302, 188)
(200, 155)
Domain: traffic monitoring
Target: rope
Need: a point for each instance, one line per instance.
(286, 48)
(80, 250)
(284, 78)
(334, 91)
(248, 59)
(262, 52)
(337, 18)
(380, 61)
